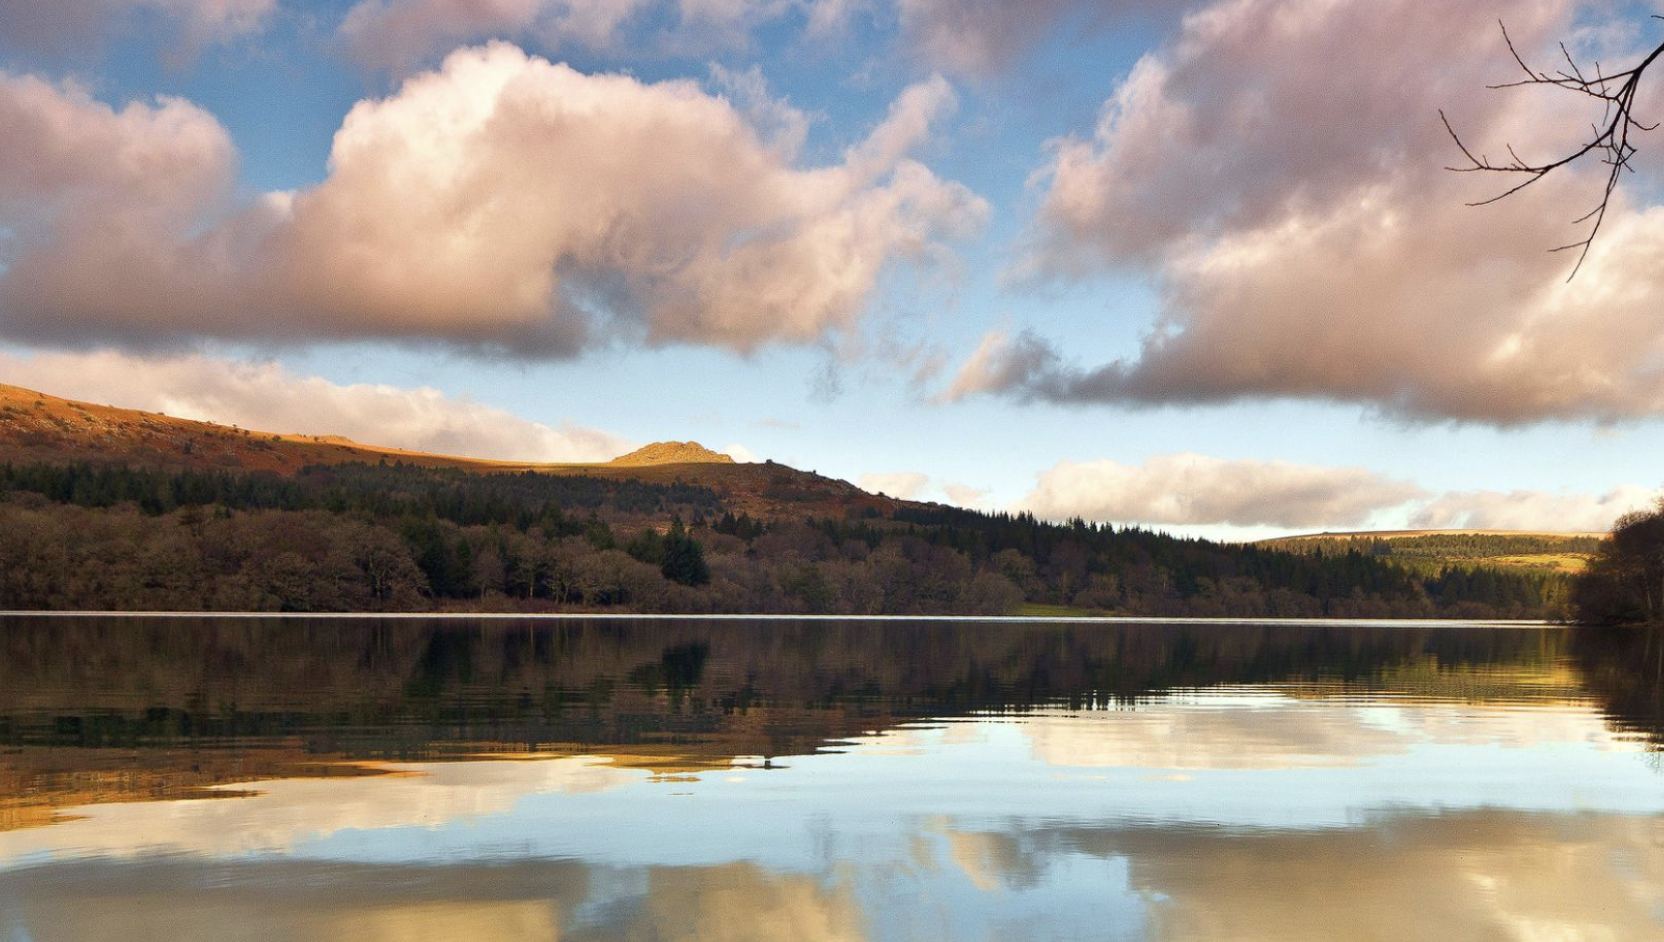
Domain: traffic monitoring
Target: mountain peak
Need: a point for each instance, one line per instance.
(673, 453)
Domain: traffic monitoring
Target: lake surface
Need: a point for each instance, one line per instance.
(254, 778)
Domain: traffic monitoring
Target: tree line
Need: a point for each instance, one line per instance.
(403, 538)
(1624, 583)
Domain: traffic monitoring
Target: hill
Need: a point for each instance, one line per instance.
(108, 508)
(37, 427)
(1429, 550)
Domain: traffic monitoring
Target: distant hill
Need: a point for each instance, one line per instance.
(1428, 550)
(1406, 534)
(39, 427)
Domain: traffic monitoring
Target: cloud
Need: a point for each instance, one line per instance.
(981, 38)
(61, 26)
(189, 897)
(1191, 489)
(501, 202)
(399, 34)
(283, 814)
(69, 156)
(976, 38)
(916, 485)
(1589, 876)
(1276, 733)
(1532, 510)
(1001, 363)
(903, 484)
(741, 902)
(741, 454)
(1278, 170)
(1196, 489)
(265, 396)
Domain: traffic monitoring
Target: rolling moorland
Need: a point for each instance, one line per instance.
(103, 508)
(1428, 551)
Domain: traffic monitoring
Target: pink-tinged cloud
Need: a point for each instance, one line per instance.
(975, 38)
(1533, 510)
(1199, 490)
(1189, 489)
(916, 485)
(400, 34)
(982, 37)
(1278, 170)
(63, 24)
(500, 202)
(268, 397)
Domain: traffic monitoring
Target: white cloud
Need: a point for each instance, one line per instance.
(267, 397)
(502, 201)
(1278, 168)
(1533, 510)
(905, 485)
(741, 454)
(1197, 489)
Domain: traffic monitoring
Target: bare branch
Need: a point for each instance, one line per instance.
(1609, 140)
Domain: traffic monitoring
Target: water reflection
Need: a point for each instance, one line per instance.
(826, 781)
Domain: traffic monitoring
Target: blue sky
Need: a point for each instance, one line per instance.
(1190, 264)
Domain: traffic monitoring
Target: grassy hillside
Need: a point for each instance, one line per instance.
(39, 428)
(1426, 551)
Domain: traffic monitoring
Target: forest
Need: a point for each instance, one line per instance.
(390, 537)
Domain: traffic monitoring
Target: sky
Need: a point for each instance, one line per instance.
(1199, 266)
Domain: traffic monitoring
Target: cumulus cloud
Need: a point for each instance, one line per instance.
(1278, 170)
(1532, 510)
(398, 34)
(57, 24)
(1197, 489)
(266, 396)
(501, 201)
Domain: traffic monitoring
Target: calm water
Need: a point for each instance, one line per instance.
(222, 779)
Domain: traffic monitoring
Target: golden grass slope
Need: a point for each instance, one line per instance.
(1543, 551)
(38, 427)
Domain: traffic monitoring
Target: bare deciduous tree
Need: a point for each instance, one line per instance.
(1608, 141)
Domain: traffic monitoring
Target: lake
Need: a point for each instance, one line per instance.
(187, 778)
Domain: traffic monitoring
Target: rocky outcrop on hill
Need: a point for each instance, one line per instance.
(673, 453)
